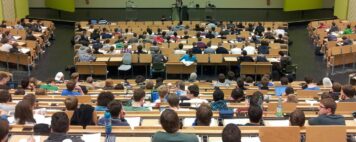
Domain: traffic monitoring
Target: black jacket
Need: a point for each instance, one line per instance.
(59, 137)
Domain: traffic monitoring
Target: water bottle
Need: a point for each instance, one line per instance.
(108, 127)
(154, 95)
(279, 110)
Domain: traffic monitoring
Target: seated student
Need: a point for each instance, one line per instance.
(256, 99)
(237, 95)
(289, 91)
(203, 115)
(109, 85)
(221, 49)
(5, 98)
(327, 114)
(222, 81)
(170, 123)
(49, 85)
(264, 48)
(4, 78)
(193, 96)
(40, 92)
(188, 57)
(70, 89)
(219, 102)
(24, 113)
(180, 49)
(32, 99)
(173, 102)
(59, 128)
(117, 114)
(4, 130)
(244, 58)
(138, 101)
(264, 84)
(71, 103)
(231, 133)
(292, 99)
(297, 118)
(347, 94)
(335, 91)
(310, 85)
(103, 100)
(346, 41)
(162, 92)
(180, 88)
(255, 116)
(196, 49)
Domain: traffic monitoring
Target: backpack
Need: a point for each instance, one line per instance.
(83, 116)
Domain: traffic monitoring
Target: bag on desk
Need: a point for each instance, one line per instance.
(226, 113)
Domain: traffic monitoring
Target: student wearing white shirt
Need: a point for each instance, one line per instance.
(235, 50)
(249, 49)
(193, 96)
(5, 45)
(180, 49)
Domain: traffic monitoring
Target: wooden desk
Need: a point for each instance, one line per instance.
(102, 59)
(180, 68)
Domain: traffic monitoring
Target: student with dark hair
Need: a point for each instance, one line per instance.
(219, 102)
(297, 118)
(193, 96)
(237, 95)
(327, 114)
(310, 85)
(347, 94)
(31, 98)
(203, 115)
(255, 116)
(5, 98)
(138, 101)
(4, 78)
(59, 128)
(289, 91)
(103, 100)
(256, 99)
(71, 86)
(71, 103)
(170, 123)
(222, 81)
(117, 114)
(231, 133)
(335, 91)
(23, 113)
(264, 48)
(189, 56)
(284, 81)
(4, 130)
(173, 102)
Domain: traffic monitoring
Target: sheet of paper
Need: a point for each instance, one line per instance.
(236, 121)
(133, 121)
(91, 137)
(42, 119)
(276, 122)
(250, 139)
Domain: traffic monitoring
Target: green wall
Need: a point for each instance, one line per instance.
(21, 8)
(1, 14)
(341, 8)
(168, 3)
(64, 5)
(295, 5)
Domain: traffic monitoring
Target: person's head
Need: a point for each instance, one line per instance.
(336, 87)
(40, 92)
(308, 80)
(4, 96)
(75, 76)
(119, 86)
(109, 83)
(221, 78)
(115, 108)
(105, 98)
(60, 122)
(193, 91)
(204, 115)
(180, 46)
(292, 99)
(70, 85)
(255, 114)
(140, 79)
(297, 118)
(256, 99)
(23, 112)
(4, 130)
(169, 121)
(284, 81)
(25, 82)
(20, 91)
(4, 78)
(71, 103)
(244, 52)
(325, 95)
(237, 94)
(281, 53)
(180, 85)
(149, 84)
(218, 95)
(162, 91)
(31, 98)
(264, 82)
(327, 106)
(347, 92)
(289, 91)
(90, 79)
(139, 96)
(173, 100)
(139, 47)
(231, 75)
(231, 133)
(193, 77)
(327, 82)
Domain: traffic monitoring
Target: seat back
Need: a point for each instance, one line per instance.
(279, 134)
(126, 59)
(326, 134)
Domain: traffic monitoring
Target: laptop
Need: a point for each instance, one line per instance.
(280, 90)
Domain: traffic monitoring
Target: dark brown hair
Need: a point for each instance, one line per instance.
(23, 112)
(297, 118)
(231, 133)
(71, 103)
(170, 121)
(204, 115)
(138, 94)
(329, 103)
(105, 98)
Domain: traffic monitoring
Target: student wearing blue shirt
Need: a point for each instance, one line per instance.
(70, 89)
(310, 85)
(189, 56)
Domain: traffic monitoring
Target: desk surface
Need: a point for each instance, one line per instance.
(116, 59)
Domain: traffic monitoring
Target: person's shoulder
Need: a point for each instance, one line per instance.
(189, 137)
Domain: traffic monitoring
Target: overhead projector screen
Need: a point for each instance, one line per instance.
(64, 5)
(295, 5)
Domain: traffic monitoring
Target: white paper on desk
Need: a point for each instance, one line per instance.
(250, 139)
(42, 119)
(133, 121)
(277, 122)
(242, 121)
(91, 137)
(187, 63)
(17, 37)
(24, 50)
(37, 139)
(311, 102)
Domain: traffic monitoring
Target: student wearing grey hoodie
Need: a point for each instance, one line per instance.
(327, 114)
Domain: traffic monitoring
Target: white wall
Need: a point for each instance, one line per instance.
(168, 3)
(351, 11)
